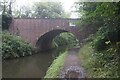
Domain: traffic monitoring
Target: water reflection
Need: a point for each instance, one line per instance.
(34, 66)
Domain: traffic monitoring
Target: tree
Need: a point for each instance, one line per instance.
(6, 20)
(41, 10)
(103, 13)
(6, 13)
(105, 16)
(102, 20)
(23, 12)
(48, 10)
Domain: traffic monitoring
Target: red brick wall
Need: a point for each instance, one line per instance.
(31, 29)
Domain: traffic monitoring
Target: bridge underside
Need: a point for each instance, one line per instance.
(45, 41)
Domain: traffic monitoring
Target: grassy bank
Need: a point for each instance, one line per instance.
(56, 66)
(99, 64)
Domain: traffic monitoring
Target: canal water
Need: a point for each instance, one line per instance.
(34, 66)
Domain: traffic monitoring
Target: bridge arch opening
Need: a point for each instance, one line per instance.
(45, 41)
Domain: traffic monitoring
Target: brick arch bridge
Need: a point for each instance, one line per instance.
(40, 32)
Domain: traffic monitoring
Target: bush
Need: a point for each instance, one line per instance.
(102, 64)
(65, 39)
(100, 44)
(6, 20)
(105, 37)
(13, 46)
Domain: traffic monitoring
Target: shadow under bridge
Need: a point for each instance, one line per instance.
(45, 41)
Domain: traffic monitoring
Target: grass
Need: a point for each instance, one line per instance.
(86, 58)
(56, 66)
(101, 66)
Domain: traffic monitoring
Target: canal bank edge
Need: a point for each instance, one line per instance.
(57, 65)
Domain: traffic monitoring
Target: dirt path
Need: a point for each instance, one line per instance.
(72, 68)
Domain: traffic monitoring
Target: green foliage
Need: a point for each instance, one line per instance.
(105, 37)
(103, 18)
(13, 46)
(100, 44)
(56, 66)
(99, 14)
(65, 39)
(100, 57)
(100, 64)
(6, 20)
(100, 38)
(48, 10)
(23, 12)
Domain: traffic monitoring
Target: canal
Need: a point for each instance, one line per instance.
(34, 66)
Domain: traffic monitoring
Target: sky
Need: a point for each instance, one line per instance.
(67, 4)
